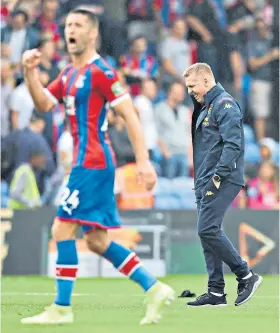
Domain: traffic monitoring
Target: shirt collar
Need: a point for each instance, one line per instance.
(95, 57)
(213, 93)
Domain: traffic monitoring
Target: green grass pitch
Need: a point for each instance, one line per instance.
(116, 305)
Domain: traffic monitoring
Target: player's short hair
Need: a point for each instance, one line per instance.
(89, 14)
(197, 68)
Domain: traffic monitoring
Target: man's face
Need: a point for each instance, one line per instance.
(48, 50)
(18, 22)
(38, 162)
(79, 33)
(261, 28)
(49, 9)
(180, 28)
(150, 89)
(6, 72)
(139, 45)
(177, 93)
(196, 85)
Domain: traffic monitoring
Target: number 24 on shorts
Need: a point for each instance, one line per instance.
(69, 201)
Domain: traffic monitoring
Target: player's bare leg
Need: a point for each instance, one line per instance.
(60, 311)
(127, 262)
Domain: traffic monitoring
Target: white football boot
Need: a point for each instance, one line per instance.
(53, 314)
(158, 296)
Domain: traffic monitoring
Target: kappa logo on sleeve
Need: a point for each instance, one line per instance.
(228, 106)
(117, 88)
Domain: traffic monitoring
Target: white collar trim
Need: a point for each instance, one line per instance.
(95, 57)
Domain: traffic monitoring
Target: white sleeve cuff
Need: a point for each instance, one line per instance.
(119, 99)
(50, 96)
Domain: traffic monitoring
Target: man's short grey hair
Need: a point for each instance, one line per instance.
(197, 68)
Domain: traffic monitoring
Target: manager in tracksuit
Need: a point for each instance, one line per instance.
(218, 152)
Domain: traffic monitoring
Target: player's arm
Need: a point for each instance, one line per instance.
(108, 85)
(145, 170)
(30, 61)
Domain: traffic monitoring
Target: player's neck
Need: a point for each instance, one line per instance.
(83, 59)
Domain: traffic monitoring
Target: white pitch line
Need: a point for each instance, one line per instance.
(96, 294)
(75, 294)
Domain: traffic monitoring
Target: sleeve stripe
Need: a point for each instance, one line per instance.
(51, 96)
(119, 99)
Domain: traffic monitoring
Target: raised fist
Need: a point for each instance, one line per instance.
(31, 59)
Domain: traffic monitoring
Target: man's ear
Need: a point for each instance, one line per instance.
(205, 82)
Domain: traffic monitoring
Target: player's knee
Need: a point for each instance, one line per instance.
(97, 241)
(63, 231)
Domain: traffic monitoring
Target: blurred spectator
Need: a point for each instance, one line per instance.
(24, 192)
(129, 193)
(7, 84)
(102, 51)
(175, 53)
(273, 120)
(269, 150)
(47, 65)
(140, 19)
(264, 190)
(59, 179)
(144, 104)
(120, 141)
(207, 29)
(231, 66)
(46, 22)
(260, 56)
(241, 18)
(31, 7)
(65, 147)
(17, 37)
(31, 139)
(167, 11)
(173, 121)
(22, 105)
(138, 64)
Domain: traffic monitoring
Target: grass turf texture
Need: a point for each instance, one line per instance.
(116, 305)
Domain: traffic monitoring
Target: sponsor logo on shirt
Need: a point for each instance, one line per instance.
(117, 88)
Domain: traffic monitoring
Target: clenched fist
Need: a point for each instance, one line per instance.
(31, 59)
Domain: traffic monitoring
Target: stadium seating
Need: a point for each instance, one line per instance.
(177, 193)
(249, 135)
(252, 153)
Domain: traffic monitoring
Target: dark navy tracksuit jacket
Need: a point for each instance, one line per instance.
(218, 138)
(218, 147)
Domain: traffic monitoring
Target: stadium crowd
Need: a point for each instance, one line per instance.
(160, 38)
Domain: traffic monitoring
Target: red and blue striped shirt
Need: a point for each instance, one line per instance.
(85, 93)
(171, 10)
(146, 64)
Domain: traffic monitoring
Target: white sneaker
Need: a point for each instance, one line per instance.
(53, 314)
(159, 296)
